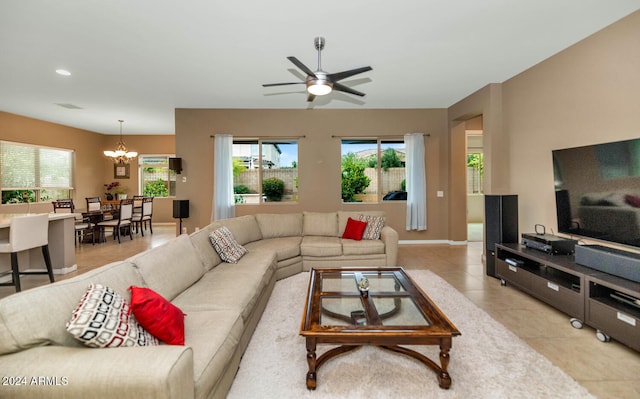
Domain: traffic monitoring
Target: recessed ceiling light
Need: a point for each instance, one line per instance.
(63, 72)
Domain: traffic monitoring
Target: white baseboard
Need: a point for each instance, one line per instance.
(66, 270)
(431, 242)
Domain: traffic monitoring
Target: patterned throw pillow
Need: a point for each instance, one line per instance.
(226, 245)
(374, 226)
(102, 320)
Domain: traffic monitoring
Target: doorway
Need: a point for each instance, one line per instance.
(475, 179)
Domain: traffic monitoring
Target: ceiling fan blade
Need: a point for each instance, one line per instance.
(310, 97)
(281, 84)
(345, 74)
(341, 87)
(302, 66)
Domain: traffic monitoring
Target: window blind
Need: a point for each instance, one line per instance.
(24, 166)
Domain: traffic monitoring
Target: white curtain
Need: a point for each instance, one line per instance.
(416, 182)
(223, 202)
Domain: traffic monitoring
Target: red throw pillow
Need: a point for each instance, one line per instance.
(632, 200)
(157, 315)
(354, 229)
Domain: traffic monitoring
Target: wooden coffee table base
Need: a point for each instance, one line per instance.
(383, 307)
(444, 379)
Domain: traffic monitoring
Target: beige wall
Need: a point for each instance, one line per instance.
(319, 158)
(584, 95)
(145, 145)
(92, 169)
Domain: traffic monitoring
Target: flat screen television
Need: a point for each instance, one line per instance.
(598, 191)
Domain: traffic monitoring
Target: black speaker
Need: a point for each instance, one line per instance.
(501, 225)
(181, 209)
(175, 164)
(563, 210)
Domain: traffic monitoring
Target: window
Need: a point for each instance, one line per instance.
(34, 174)
(265, 171)
(475, 173)
(373, 170)
(156, 180)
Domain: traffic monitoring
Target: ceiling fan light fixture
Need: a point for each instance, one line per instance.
(320, 88)
(319, 82)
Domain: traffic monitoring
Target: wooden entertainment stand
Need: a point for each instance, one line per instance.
(598, 299)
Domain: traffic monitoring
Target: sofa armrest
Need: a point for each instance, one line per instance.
(390, 238)
(66, 372)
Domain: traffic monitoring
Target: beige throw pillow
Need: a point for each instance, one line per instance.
(226, 245)
(374, 226)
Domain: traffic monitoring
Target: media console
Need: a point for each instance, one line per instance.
(605, 302)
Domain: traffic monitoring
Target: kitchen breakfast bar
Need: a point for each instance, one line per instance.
(61, 245)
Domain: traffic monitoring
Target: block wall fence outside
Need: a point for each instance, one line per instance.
(251, 178)
(391, 180)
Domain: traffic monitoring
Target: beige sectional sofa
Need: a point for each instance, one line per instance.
(223, 303)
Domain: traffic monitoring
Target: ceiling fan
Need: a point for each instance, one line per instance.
(320, 83)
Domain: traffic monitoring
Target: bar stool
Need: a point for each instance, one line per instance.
(26, 232)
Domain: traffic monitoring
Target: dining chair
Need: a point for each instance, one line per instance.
(123, 220)
(94, 204)
(26, 232)
(141, 218)
(137, 204)
(83, 225)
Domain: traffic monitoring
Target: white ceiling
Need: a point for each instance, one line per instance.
(138, 60)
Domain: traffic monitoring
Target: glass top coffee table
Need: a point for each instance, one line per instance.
(383, 307)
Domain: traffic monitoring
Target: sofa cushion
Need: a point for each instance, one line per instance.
(354, 229)
(204, 249)
(280, 225)
(226, 245)
(103, 319)
(214, 336)
(362, 247)
(245, 229)
(320, 246)
(374, 226)
(230, 286)
(157, 315)
(284, 247)
(55, 303)
(170, 268)
(320, 224)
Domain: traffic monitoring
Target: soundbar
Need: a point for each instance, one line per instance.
(609, 260)
(549, 243)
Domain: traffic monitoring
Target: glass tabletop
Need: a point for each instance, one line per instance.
(382, 301)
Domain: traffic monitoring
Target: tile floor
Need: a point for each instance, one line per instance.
(608, 370)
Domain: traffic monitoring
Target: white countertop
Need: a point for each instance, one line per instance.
(5, 218)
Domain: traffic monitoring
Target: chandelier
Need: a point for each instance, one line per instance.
(121, 155)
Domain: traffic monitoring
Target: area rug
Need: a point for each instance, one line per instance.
(487, 360)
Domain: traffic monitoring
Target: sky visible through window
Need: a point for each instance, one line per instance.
(346, 148)
(290, 151)
(289, 154)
